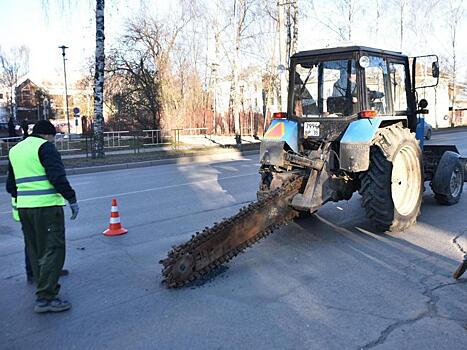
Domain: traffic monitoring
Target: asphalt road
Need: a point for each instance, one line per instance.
(325, 282)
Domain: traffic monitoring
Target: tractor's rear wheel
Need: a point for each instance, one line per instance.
(392, 187)
(448, 182)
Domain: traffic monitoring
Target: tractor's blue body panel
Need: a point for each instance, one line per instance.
(361, 130)
(356, 142)
(420, 131)
(283, 130)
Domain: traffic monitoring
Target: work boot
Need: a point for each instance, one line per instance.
(54, 305)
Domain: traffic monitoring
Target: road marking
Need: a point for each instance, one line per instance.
(155, 189)
(165, 187)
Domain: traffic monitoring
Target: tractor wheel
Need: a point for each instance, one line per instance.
(448, 182)
(392, 187)
(428, 134)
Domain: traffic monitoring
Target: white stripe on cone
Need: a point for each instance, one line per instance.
(114, 209)
(115, 220)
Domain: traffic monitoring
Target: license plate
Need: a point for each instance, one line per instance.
(311, 129)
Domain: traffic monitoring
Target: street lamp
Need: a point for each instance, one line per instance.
(63, 47)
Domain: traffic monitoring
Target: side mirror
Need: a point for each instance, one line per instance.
(425, 70)
(422, 104)
(435, 69)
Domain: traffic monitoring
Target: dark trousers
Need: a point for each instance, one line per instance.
(44, 234)
(27, 263)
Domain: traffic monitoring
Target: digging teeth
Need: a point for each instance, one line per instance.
(221, 228)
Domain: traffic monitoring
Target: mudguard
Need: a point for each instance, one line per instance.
(283, 130)
(281, 134)
(356, 142)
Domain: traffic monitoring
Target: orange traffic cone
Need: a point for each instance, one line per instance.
(115, 227)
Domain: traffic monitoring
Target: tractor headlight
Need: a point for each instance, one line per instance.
(364, 61)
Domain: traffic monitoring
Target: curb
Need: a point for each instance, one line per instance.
(226, 156)
(449, 129)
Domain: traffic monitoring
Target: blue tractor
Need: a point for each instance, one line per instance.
(353, 124)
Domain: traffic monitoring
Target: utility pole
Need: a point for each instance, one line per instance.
(63, 47)
(282, 54)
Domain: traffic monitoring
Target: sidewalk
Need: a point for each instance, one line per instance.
(187, 143)
(223, 148)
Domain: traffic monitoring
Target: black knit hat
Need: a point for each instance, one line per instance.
(44, 127)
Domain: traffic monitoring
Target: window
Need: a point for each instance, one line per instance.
(375, 76)
(399, 94)
(325, 88)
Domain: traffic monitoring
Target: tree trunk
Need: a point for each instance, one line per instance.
(294, 44)
(350, 18)
(99, 83)
(454, 79)
(238, 16)
(282, 56)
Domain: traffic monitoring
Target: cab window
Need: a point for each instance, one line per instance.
(376, 77)
(399, 93)
(327, 88)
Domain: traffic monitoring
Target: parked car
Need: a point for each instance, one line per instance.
(428, 130)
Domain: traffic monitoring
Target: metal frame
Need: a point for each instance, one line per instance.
(355, 52)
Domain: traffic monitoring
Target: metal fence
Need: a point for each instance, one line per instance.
(6, 145)
(113, 140)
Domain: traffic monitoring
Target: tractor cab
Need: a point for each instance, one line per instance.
(348, 83)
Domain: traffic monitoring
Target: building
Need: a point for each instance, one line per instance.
(4, 105)
(47, 101)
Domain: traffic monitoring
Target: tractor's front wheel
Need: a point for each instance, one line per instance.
(392, 187)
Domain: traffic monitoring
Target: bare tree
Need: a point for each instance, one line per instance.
(99, 82)
(454, 17)
(341, 22)
(98, 150)
(14, 65)
(403, 4)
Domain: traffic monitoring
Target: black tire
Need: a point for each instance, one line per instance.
(392, 203)
(428, 134)
(448, 181)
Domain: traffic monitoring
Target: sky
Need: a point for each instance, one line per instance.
(64, 22)
(72, 23)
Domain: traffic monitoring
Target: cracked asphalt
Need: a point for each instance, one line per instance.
(324, 282)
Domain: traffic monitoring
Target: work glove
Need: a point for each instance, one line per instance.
(74, 210)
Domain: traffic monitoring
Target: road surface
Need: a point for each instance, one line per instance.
(325, 282)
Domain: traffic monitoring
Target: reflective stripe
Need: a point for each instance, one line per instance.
(114, 209)
(14, 209)
(115, 220)
(36, 192)
(31, 179)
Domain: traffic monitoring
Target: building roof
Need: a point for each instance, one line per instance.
(27, 82)
(345, 49)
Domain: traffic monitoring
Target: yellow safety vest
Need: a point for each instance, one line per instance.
(14, 209)
(34, 189)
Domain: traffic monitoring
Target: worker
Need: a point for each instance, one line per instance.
(460, 269)
(25, 128)
(344, 87)
(37, 179)
(11, 128)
